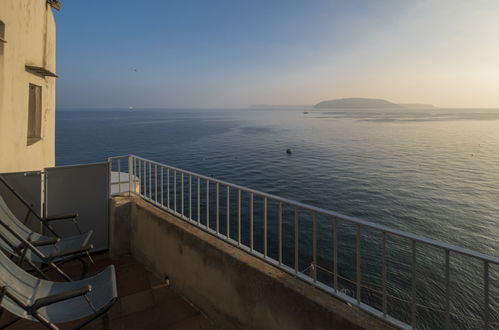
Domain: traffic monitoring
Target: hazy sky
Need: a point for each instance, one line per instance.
(158, 53)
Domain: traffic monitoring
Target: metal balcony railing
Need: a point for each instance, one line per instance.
(408, 280)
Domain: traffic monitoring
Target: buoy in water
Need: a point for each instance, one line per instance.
(288, 151)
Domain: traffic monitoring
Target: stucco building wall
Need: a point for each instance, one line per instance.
(30, 40)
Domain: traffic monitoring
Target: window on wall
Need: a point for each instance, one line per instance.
(2, 33)
(2, 37)
(34, 114)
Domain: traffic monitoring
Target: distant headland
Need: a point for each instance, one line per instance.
(366, 103)
(350, 103)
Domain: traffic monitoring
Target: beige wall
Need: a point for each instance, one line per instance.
(30, 36)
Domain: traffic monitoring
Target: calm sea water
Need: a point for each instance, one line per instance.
(430, 172)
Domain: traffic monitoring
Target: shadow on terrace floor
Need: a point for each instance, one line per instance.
(144, 301)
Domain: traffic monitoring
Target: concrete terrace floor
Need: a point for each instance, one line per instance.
(144, 301)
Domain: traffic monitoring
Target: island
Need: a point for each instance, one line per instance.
(357, 103)
(418, 106)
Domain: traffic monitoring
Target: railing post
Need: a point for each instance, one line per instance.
(296, 241)
(279, 237)
(358, 267)
(150, 182)
(413, 286)
(228, 212)
(383, 272)
(156, 183)
(207, 204)
(314, 245)
(218, 208)
(486, 294)
(162, 187)
(130, 175)
(239, 217)
(182, 195)
(109, 173)
(335, 255)
(199, 201)
(447, 289)
(190, 197)
(251, 222)
(119, 175)
(168, 188)
(265, 227)
(175, 191)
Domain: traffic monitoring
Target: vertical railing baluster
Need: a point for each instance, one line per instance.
(383, 272)
(265, 227)
(130, 174)
(207, 204)
(413, 285)
(168, 188)
(238, 216)
(150, 181)
(156, 183)
(182, 194)
(140, 178)
(357, 249)
(139, 175)
(119, 174)
(175, 191)
(134, 176)
(144, 168)
(144, 178)
(190, 197)
(143, 182)
(279, 219)
(199, 200)
(314, 246)
(218, 208)
(228, 212)
(486, 316)
(110, 173)
(251, 222)
(335, 255)
(296, 241)
(447, 289)
(162, 186)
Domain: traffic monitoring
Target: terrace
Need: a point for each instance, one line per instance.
(144, 302)
(196, 252)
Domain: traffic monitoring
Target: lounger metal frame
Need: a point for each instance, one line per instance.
(26, 245)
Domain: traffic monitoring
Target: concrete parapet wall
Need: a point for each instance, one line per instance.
(235, 289)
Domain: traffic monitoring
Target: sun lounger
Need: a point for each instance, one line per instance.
(49, 302)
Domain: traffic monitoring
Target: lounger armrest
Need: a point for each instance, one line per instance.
(61, 217)
(49, 300)
(67, 216)
(81, 250)
(46, 242)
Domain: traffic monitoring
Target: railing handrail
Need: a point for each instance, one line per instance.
(360, 222)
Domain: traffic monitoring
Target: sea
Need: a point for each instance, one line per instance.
(432, 172)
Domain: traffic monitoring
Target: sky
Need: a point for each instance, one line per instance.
(208, 54)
